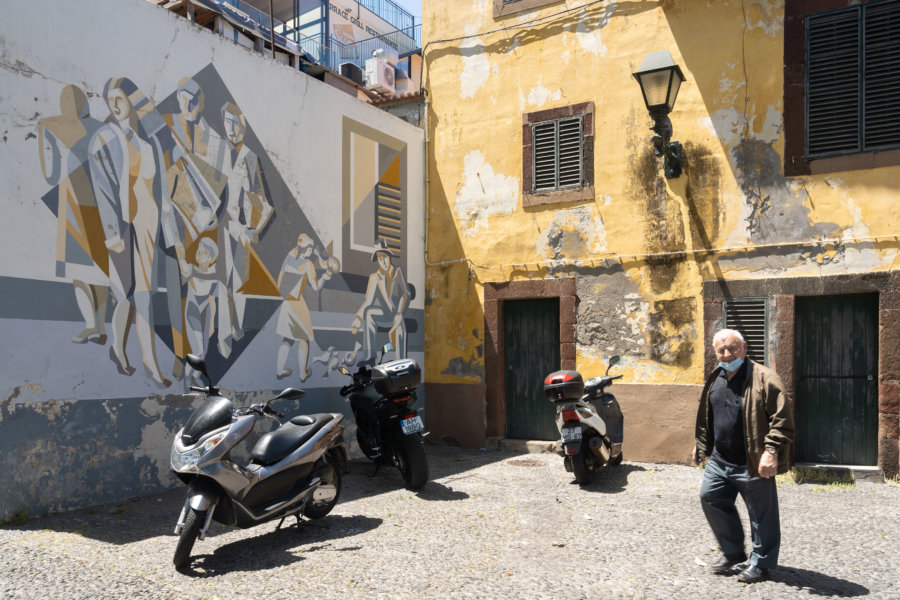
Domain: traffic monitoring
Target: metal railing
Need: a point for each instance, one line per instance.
(402, 40)
(390, 12)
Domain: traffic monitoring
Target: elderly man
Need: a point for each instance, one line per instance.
(745, 427)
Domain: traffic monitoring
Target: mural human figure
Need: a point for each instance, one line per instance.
(294, 320)
(124, 163)
(247, 211)
(189, 211)
(200, 305)
(387, 297)
(63, 142)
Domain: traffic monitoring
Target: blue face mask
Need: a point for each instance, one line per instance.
(733, 365)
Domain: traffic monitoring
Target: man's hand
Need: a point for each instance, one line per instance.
(768, 465)
(694, 460)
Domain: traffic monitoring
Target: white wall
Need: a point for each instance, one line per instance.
(299, 127)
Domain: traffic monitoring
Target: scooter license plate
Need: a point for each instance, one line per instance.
(412, 425)
(571, 434)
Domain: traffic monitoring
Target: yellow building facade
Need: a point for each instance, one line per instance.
(777, 225)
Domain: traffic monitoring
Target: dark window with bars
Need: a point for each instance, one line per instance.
(557, 160)
(750, 317)
(853, 80)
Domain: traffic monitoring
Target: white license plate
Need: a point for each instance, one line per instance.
(571, 434)
(412, 425)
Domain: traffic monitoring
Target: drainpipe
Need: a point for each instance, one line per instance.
(272, 28)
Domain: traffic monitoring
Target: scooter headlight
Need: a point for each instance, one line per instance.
(187, 461)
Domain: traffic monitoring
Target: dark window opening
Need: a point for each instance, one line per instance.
(750, 317)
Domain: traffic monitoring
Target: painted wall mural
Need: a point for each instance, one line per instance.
(177, 232)
(168, 191)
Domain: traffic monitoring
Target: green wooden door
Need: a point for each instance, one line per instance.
(837, 379)
(531, 344)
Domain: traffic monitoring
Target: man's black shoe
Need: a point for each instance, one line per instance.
(753, 574)
(724, 564)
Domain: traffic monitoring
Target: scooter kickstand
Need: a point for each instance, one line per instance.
(277, 527)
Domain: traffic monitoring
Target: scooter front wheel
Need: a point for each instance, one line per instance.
(187, 537)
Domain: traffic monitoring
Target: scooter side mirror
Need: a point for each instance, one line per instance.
(385, 349)
(199, 365)
(613, 361)
(290, 394)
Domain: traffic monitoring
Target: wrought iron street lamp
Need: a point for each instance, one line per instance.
(660, 79)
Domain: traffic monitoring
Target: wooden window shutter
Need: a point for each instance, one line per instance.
(853, 80)
(832, 89)
(558, 154)
(882, 75)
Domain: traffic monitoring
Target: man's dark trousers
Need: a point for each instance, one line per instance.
(721, 485)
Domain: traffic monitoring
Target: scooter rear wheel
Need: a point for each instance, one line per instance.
(412, 462)
(188, 536)
(583, 463)
(317, 509)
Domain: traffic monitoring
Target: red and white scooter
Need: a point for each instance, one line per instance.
(589, 420)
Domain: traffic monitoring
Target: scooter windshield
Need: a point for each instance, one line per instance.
(212, 414)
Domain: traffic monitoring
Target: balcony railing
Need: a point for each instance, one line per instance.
(390, 12)
(331, 55)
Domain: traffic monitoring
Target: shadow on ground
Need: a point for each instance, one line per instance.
(817, 584)
(154, 515)
(280, 547)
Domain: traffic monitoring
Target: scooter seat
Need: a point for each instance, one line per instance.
(277, 444)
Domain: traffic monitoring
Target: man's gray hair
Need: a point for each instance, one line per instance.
(722, 334)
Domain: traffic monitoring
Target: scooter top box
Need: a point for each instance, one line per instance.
(562, 386)
(396, 376)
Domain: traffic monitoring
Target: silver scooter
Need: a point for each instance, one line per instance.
(590, 421)
(293, 470)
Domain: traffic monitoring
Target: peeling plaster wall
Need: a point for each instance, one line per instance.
(74, 430)
(642, 247)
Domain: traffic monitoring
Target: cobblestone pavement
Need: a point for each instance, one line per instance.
(491, 524)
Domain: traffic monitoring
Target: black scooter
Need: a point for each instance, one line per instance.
(389, 431)
(294, 470)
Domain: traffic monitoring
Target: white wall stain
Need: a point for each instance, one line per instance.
(705, 123)
(858, 257)
(538, 96)
(483, 194)
(729, 124)
(588, 33)
(581, 221)
(766, 16)
(156, 441)
(771, 127)
(476, 68)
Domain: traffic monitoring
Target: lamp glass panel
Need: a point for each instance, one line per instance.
(656, 87)
(676, 85)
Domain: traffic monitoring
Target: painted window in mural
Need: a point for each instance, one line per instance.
(175, 228)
